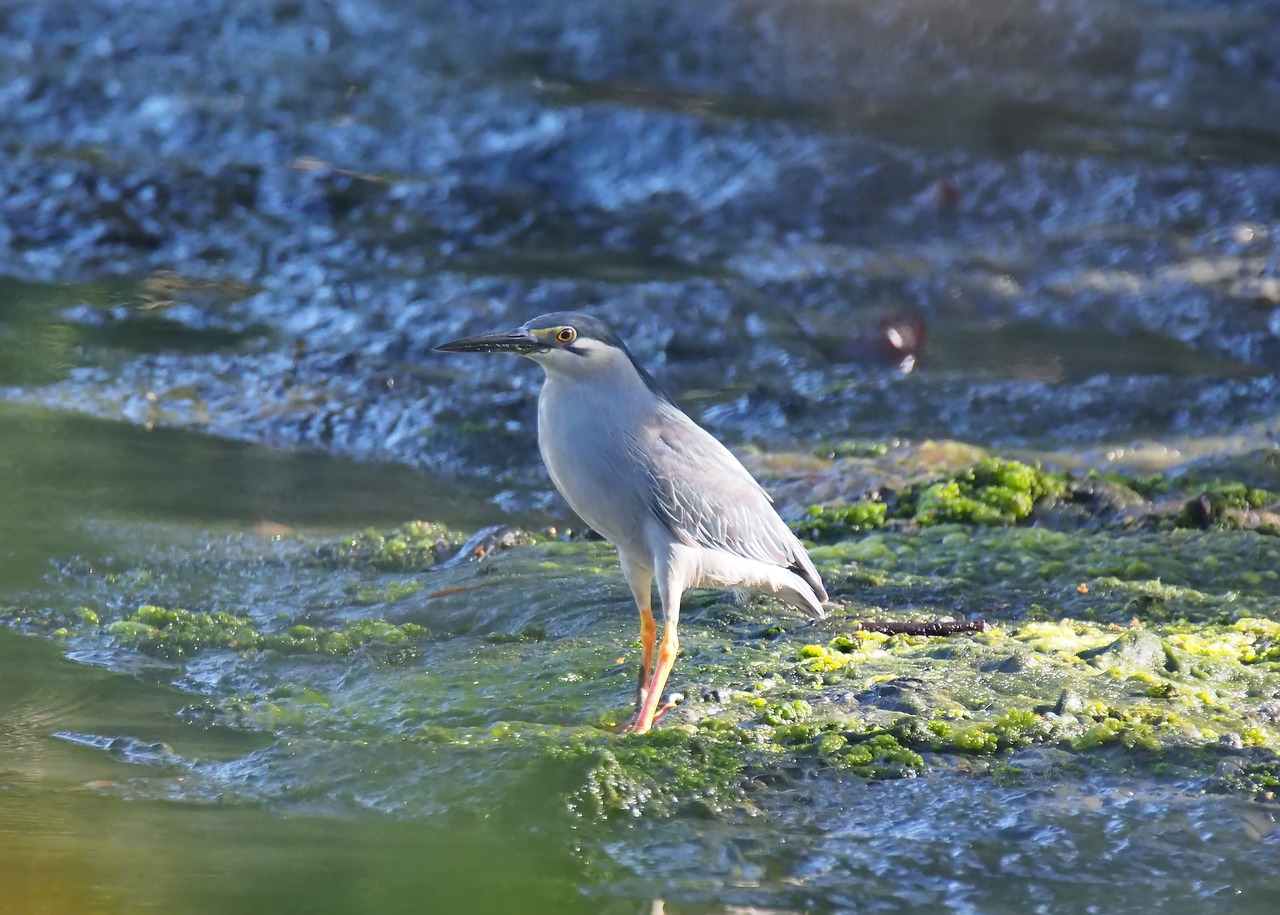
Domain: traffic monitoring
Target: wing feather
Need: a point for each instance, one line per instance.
(705, 497)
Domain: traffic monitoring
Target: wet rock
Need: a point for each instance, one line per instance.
(1069, 703)
(1139, 649)
(1232, 742)
(904, 694)
(1089, 502)
(1020, 662)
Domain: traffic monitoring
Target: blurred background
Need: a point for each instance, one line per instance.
(280, 207)
(231, 232)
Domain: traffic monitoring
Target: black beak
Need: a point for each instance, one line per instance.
(518, 341)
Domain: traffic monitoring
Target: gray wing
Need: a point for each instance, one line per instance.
(705, 497)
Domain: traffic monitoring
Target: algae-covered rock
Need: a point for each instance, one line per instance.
(655, 772)
(179, 633)
(824, 522)
(993, 491)
(1140, 650)
(541, 643)
(412, 547)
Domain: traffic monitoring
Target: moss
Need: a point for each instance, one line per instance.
(880, 756)
(177, 633)
(386, 594)
(657, 771)
(992, 491)
(830, 522)
(412, 547)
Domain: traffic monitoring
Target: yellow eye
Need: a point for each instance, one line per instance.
(566, 335)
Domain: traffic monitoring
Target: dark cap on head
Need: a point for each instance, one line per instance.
(588, 327)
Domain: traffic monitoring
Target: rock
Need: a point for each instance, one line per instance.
(904, 694)
(1013, 664)
(1136, 649)
(1069, 703)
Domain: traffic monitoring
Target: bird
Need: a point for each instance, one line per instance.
(681, 510)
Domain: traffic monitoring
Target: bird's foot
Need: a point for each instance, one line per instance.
(636, 726)
(672, 701)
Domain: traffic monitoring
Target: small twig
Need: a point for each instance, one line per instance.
(923, 627)
(445, 592)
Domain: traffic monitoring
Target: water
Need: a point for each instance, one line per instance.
(65, 846)
(74, 836)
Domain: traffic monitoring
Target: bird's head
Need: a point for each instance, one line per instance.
(562, 342)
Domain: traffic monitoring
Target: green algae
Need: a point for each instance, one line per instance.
(880, 756)
(1123, 648)
(178, 633)
(995, 491)
(992, 491)
(1190, 688)
(658, 771)
(1111, 575)
(1219, 505)
(527, 634)
(844, 449)
(387, 593)
(1231, 494)
(1259, 777)
(826, 522)
(412, 547)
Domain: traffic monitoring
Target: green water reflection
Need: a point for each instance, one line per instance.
(68, 847)
(71, 837)
(58, 470)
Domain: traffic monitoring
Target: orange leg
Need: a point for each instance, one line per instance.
(653, 693)
(640, 580)
(648, 637)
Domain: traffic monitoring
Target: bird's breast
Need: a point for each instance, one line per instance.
(589, 454)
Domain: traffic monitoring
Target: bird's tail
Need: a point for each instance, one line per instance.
(724, 570)
(799, 595)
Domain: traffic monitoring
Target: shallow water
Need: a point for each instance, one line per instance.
(67, 844)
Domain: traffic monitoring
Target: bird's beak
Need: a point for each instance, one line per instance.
(518, 341)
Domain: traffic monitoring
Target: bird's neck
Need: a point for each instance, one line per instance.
(615, 385)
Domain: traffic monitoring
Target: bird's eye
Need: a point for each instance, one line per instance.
(566, 335)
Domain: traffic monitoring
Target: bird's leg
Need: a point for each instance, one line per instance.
(657, 682)
(640, 580)
(648, 638)
(671, 590)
